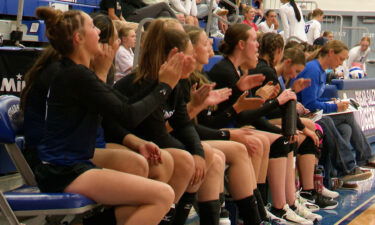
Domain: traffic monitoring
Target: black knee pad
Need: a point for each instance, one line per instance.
(308, 147)
(280, 148)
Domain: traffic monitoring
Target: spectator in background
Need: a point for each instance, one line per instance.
(124, 55)
(358, 55)
(136, 10)
(203, 9)
(329, 35)
(292, 20)
(270, 25)
(249, 14)
(188, 8)
(313, 28)
(112, 8)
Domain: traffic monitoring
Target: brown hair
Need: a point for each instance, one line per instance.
(233, 35)
(268, 12)
(336, 45)
(326, 33)
(292, 44)
(268, 44)
(366, 39)
(317, 12)
(106, 27)
(158, 42)
(296, 55)
(48, 56)
(60, 27)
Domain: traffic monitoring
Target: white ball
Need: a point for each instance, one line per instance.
(356, 73)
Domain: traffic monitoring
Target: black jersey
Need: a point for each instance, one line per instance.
(173, 110)
(225, 74)
(75, 99)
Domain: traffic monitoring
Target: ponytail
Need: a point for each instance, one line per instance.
(296, 10)
(336, 45)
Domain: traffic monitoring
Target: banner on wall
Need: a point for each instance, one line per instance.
(366, 115)
(14, 63)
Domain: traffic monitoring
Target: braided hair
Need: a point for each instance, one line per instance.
(268, 45)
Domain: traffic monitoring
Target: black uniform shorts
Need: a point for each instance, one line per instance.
(55, 178)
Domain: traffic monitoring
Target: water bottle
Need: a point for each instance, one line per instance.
(318, 180)
(289, 119)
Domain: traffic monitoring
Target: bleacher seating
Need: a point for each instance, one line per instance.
(27, 200)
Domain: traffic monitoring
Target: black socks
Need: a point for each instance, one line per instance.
(263, 189)
(248, 210)
(209, 212)
(169, 217)
(261, 209)
(183, 208)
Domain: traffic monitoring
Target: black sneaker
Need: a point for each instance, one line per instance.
(319, 199)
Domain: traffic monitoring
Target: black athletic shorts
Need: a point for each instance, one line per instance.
(55, 178)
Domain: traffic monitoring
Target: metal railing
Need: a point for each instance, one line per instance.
(352, 35)
(334, 23)
(139, 32)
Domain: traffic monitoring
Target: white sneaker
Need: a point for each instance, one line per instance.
(217, 34)
(329, 194)
(274, 218)
(310, 206)
(292, 217)
(305, 213)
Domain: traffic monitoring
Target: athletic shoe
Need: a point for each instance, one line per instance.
(302, 211)
(319, 199)
(357, 175)
(310, 206)
(274, 219)
(290, 216)
(224, 216)
(329, 194)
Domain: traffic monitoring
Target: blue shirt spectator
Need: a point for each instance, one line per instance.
(311, 97)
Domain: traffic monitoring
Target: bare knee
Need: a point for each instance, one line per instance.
(166, 195)
(163, 172)
(142, 168)
(183, 163)
(218, 163)
(258, 152)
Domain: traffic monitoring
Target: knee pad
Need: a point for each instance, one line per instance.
(280, 148)
(308, 147)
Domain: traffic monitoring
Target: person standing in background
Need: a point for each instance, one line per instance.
(292, 20)
(313, 28)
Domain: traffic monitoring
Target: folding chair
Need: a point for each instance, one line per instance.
(27, 200)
